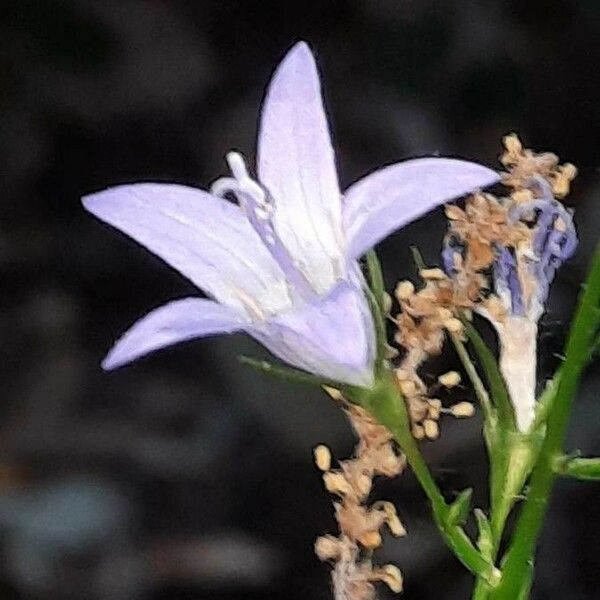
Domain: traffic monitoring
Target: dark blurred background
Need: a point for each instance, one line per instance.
(188, 475)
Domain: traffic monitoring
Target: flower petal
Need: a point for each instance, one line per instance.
(333, 338)
(296, 163)
(175, 322)
(394, 196)
(207, 239)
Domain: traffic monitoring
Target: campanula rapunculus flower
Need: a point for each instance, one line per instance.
(281, 263)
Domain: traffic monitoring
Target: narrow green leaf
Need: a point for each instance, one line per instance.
(586, 469)
(485, 540)
(496, 383)
(376, 278)
(478, 387)
(418, 258)
(544, 402)
(458, 511)
(376, 299)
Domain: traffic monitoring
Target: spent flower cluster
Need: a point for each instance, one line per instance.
(354, 574)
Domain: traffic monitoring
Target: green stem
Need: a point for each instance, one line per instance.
(388, 406)
(469, 367)
(519, 556)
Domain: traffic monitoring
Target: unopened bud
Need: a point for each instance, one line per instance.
(322, 457)
(462, 410)
(449, 379)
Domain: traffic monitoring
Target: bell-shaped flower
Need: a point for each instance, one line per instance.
(281, 262)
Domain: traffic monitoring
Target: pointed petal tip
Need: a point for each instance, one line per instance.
(299, 60)
(299, 51)
(94, 202)
(109, 364)
(88, 201)
(390, 198)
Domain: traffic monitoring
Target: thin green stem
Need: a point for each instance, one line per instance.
(469, 367)
(388, 406)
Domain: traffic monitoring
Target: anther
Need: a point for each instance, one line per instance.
(322, 457)
(392, 577)
(434, 409)
(449, 379)
(408, 387)
(335, 483)
(453, 325)
(404, 290)
(431, 429)
(363, 484)
(435, 274)
(418, 432)
(370, 540)
(327, 547)
(462, 410)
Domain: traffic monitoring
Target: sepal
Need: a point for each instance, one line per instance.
(485, 539)
(376, 297)
(293, 375)
(458, 511)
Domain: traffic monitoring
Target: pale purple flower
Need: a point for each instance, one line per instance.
(281, 264)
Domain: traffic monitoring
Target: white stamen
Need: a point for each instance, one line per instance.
(245, 183)
(237, 166)
(241, 184)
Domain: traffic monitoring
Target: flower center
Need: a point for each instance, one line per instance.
(259, 207)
